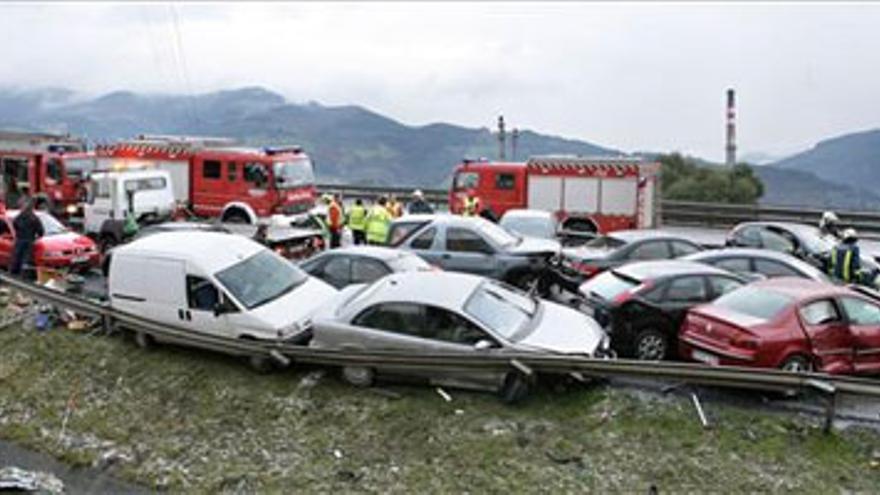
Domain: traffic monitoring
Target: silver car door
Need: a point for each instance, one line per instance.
(467, 251)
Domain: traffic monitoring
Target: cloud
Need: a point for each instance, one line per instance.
(631, 76)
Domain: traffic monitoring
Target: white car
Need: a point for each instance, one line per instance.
(451, 312)
(214, 283)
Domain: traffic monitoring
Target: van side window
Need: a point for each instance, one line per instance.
(231, 172)
(211, 169)
(255, 173)
(201, 293)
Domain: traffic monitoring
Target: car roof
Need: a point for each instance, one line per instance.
(429, 288)
(634, 235)
(376, 252)
(733, 252)
(527, 213)
(802, 288)
(195, 247)
(445, 218)
(668, 268)
(798, 228)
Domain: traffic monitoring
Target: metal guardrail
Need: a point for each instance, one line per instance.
(682, 213)
(724, 376)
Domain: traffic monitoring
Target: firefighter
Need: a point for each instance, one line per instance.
(845, 263)
(830, 224)
(357, 222)
(418, 204)
(377, 222)
(335, 222)
(471, 206)
(394, 207)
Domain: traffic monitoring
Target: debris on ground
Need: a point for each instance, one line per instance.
(311, 379)
(703, 420)
(444, 394)
(16, 479)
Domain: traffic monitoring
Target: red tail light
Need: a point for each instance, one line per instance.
(629, 293)
(744, 341)
(585, 269)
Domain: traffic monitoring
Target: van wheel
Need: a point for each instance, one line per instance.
(515, 388)
(144, 340)
(359, 376)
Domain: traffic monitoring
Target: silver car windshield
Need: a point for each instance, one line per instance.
(532, 227)
(260, 279)
(502, 310)
(294, 173)
(498, 235)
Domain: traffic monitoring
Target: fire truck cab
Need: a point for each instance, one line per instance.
(215, 179)
(597, 195)
(50, 167)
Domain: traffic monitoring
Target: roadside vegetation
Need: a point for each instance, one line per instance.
(192, 421)
(685, 179)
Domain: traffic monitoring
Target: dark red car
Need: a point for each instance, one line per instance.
(58, 248)
(789, 323)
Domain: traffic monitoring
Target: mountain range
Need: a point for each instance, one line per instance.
(351, 144)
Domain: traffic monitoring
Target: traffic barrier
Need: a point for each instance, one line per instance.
(722, 376)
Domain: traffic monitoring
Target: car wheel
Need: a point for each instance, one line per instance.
(144, 340)
(359, 376)
(797, 364)
(651, 345)
(515, 388)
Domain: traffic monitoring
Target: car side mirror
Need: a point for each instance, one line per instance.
(484, 344)
(223, 307)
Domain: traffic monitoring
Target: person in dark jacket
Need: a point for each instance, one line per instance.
(28, 228)
(418, 204)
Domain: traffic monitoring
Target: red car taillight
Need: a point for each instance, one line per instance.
(586, 269)
(629, 293)
(744, 342)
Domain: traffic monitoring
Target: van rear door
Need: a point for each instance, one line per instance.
(152, 287)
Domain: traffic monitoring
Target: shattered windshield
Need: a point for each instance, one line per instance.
(294, 173)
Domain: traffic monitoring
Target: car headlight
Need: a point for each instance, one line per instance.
(71, 209)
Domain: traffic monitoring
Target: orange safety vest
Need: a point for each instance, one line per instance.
(334, 216)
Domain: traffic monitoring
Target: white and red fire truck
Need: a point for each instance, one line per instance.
(599, 194)
(50, 167)
(215, 179)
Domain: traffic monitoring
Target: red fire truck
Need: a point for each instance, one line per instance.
(51, 167)
(599, 194)
(214, 178)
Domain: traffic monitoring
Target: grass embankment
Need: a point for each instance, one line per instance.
(198, 422)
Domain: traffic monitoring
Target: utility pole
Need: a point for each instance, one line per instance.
(501, 137)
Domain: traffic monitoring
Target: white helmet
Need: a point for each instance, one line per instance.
(828, 218)
(417, 193)
(850, 235)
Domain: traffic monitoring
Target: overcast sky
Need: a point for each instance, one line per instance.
(632, 76)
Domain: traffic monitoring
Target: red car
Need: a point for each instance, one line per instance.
(58, 248)
(788, 323)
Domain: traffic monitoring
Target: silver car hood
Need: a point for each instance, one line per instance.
(534, 245)
(564, 330)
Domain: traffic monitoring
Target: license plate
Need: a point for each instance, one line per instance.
(80, 259)
(704, 357)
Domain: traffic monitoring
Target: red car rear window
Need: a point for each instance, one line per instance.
(755, 302)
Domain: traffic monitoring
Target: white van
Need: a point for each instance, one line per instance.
(214, 283)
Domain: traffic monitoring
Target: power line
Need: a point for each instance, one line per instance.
(181, 56)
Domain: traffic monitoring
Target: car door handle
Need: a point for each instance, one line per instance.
(180, 314)
(446, 256)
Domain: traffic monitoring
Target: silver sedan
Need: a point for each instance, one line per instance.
(451, 312)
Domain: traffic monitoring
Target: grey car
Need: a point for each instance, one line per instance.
(543, 225)
(758, 263)
(455, 313)
(473, 245)
(361, 264)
